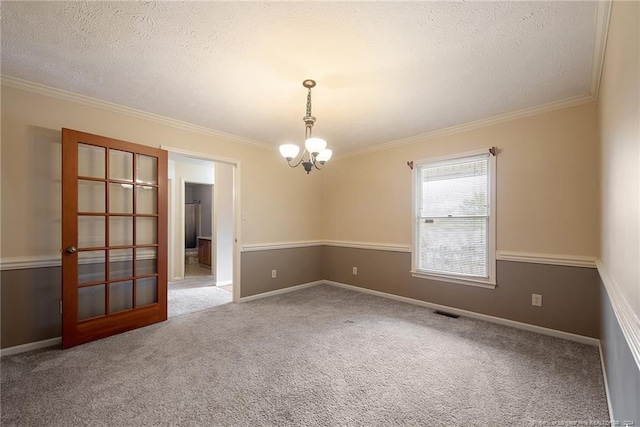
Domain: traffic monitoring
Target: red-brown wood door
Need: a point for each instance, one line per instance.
(114, 236)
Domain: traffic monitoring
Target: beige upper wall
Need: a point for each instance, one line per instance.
(619, 117)
(31, 162)
(547, 179)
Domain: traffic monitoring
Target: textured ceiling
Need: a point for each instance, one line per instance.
(385, 70)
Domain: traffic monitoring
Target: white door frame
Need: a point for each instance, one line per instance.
(236, 208)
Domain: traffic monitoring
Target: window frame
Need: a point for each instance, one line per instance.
(489, 282)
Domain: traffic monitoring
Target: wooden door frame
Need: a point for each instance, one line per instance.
(237, 250)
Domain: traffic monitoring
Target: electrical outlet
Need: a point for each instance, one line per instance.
(355, 271)
(536, 299)
(273, 274)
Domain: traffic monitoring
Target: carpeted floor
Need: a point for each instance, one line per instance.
(321, 356)
(194, 294)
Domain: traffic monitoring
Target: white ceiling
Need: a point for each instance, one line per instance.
(385, 70)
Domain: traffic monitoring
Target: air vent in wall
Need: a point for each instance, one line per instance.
(444, 313)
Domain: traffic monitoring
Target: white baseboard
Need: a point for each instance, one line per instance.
(606, 383)
(30, 346)
(281, 291)
(224, 283)
(492, 319)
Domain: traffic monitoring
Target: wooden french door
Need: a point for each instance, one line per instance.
(114, 236)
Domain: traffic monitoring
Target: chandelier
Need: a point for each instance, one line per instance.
(314, 148)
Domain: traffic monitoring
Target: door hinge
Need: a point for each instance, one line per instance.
(60, 306)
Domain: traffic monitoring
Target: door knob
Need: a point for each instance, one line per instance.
(71, 250)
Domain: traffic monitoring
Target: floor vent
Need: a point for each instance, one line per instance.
(444, 313)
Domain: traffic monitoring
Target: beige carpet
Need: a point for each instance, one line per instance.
(195, 294)
(321, 356)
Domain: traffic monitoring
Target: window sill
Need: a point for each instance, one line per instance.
(457, 280)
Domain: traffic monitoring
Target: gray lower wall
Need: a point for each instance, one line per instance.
(574, 300)
(571, 298)
(570, 295)
(294, 266)
(30, 305)
(623, 375)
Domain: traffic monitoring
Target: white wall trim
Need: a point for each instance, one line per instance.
(453, 279)
(492, 319)
(27, 262)
(121, 109)
(223, 283)
(30, 346)
(603, 12)
(281, 291)
(552, 259)
(629, 322)
(465, 127)
(606, 383)
(391, 247)
(253, 247)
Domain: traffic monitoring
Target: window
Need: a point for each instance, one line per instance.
(454, 226)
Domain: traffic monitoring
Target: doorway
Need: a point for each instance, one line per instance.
(204, 196)
(198, 224)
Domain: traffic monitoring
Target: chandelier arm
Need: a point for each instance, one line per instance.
(299, 160)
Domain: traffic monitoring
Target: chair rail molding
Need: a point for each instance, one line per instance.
(27, 262)
(552, 259)
(629, 322)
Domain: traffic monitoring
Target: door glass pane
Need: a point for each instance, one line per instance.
(120, 165)
(120, 231)
(120, 263)
(91, 231)
(91, 267)
(91, 161)
(146, 261)
(147, 199)
(146, 291)
(146, 230)
(91, 196)
(147, 170)
(91, 301)
(120, 296)
(120, 198)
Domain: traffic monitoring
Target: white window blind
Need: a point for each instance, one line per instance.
(453, 218)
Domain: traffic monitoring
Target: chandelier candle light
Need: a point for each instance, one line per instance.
(315, 148)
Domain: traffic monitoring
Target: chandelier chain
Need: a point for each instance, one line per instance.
(309, 103)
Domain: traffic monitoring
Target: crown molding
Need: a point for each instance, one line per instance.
(603, 13)
(465, 127)
(64, 95)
